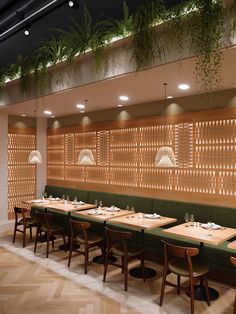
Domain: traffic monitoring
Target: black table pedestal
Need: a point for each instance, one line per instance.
(100, 259)
(200, 293)
(137, 272)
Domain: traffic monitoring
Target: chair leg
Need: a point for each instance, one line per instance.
(178, 284)
(48, 238)
(123, 266)
(30, 233)
(192, 295)
(36, 239)
(235, 305)
(64, 241)
(71, 249)
(86, 260)
(163, 286)
(24, 234)
(14, 234)
(105, 266)
(207, 291)
(126, 273)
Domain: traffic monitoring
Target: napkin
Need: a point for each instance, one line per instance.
(152, 216)
(95, 212)
(112, 209)
(213, 226)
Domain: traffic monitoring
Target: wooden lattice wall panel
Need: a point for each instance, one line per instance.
(124, 176)
(75, 173)
(21, 175)
(69, 149)
(56, 172)
(157, 135)
(55, 141)
(157, 179)
(147, 156)
(124, 157)
(56, 157)
(184, 145)
(124, 137)
(86, 140)
(195, 181)
(97, 175)
(227, 183)
(103, 148)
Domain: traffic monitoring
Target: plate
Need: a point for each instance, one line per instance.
(112, 209)
(152, 216)
(213, 226)
(95, 212)
(37, 201)
(81, 203)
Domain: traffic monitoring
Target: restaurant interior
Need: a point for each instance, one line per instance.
(118, 148)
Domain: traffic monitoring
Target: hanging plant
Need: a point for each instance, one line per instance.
(146, 43)
(206, 32)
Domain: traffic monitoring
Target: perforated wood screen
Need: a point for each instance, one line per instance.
(205, 154)
(21, 175)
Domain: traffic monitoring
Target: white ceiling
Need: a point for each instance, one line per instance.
(141, 87)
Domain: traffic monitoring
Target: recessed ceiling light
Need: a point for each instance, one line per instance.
(47, 112)
(169, 97)
(80, 106)
(119, 105)
(183, 86)
(23, 115)
(52, 116)
(26, 32)
(124, 98)
(82, 111)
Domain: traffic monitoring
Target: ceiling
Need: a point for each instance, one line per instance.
(103, 94)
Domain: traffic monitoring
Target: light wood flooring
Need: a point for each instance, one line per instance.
(30, 283)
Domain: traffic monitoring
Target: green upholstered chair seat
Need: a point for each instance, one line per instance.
(133, 249)
(180, 267)
(53, 226)
(29, 221)
(92, 238)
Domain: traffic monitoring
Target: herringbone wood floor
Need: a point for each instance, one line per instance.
(28, 284)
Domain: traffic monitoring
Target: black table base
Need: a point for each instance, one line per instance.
(100, 259)
(200, 294)
(62, 247)
(137, 272)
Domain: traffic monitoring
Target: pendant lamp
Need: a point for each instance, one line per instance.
(86, 157)
(165, 156)
(35, 155)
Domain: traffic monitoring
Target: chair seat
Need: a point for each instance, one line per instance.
(92, 238)
(53, 228)
(28, 221)
(133, 250)
(180, 267)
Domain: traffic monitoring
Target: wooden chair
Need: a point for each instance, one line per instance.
(22, 223)
(79, 235)
(233, 261)
(116, 244)
(46, 224)
(178, 260)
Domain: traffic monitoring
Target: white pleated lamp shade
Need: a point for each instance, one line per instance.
(165, 157)
(86, 157)
(35, 157)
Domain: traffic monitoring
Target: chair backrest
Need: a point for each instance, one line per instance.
(113, 236)
(233, 260)
(78, 227)
(43, 219)
(20, 213)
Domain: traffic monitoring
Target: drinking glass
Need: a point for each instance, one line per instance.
(68, 198)
(186, 219)
(100, 204)
(96, 203)
(209, 228)
(63, 197)
(191, 218)
(50, 197)
(75, 200)
(132, 209)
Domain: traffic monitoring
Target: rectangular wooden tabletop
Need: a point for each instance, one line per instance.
(59, 205)
(143, 223)
(200, 234)
(101, 214)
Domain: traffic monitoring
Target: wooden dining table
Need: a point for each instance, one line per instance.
(204, 236)
(143, 222)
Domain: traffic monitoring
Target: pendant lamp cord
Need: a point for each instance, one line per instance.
(165, 120)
